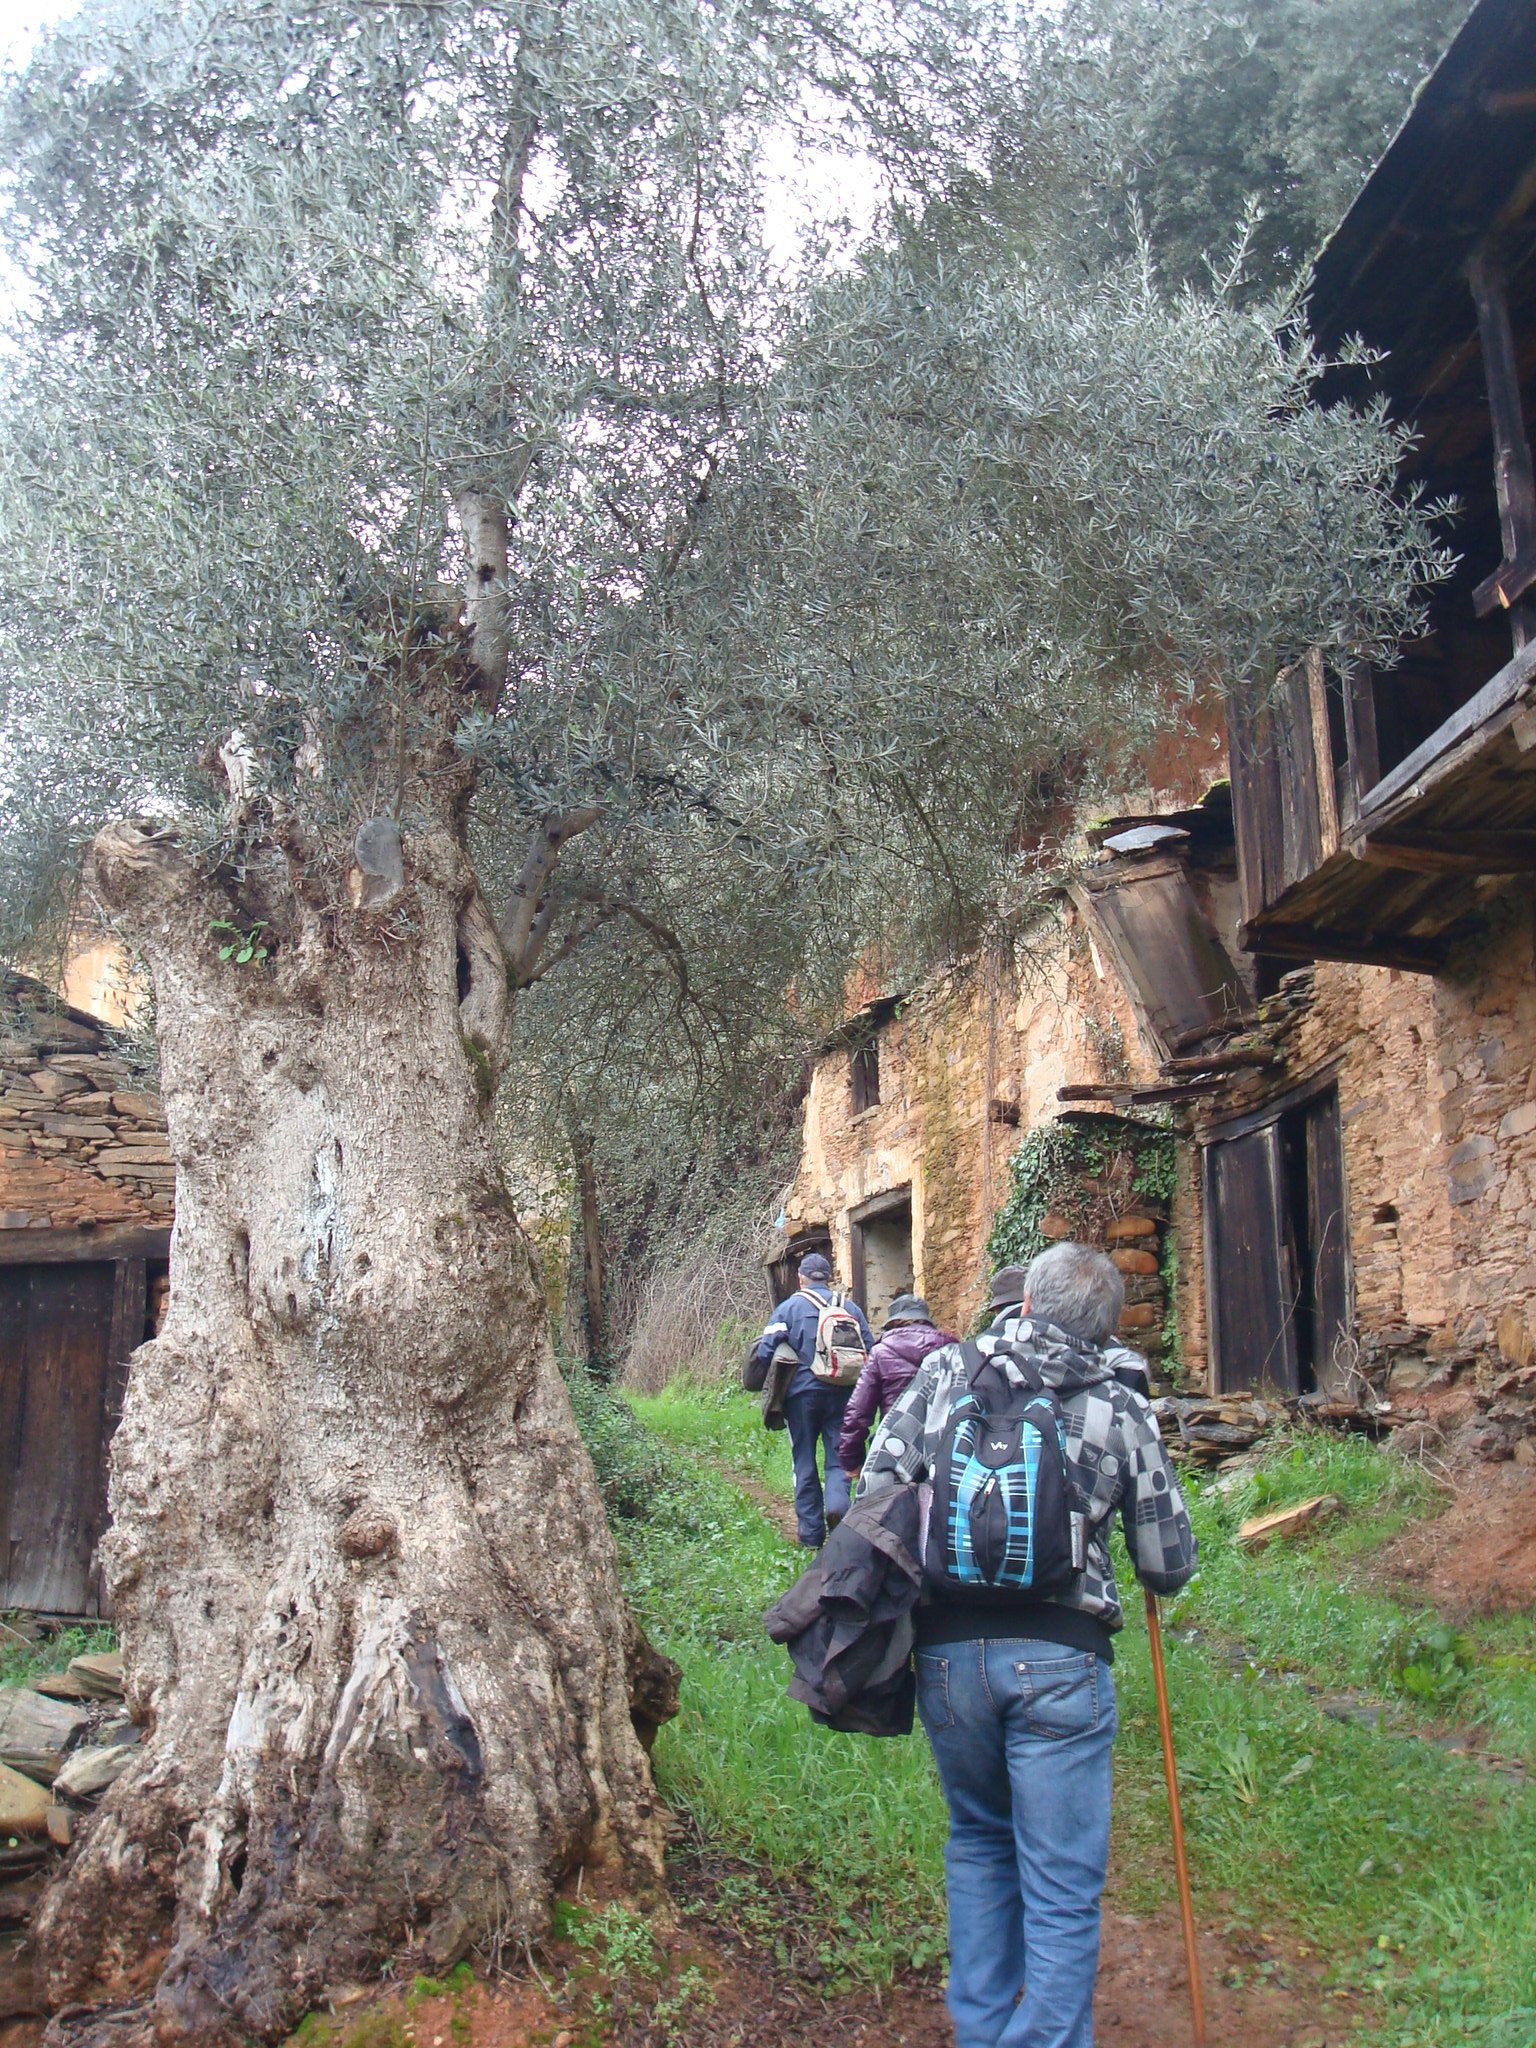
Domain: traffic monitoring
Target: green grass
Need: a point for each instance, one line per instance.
(860, 1822)
(1412, 1869)
(724, 1425)
(21, 1660)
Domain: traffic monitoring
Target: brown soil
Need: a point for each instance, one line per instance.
(775, 1507)
(1479, 1557)
(753, 1943)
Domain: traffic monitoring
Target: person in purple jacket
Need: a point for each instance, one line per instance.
(888, 1371)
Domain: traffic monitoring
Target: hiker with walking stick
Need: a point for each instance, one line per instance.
(1030, 1437)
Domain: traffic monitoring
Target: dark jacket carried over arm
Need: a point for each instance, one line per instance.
(848, 1621)
(794, 1322)
(888, 1372)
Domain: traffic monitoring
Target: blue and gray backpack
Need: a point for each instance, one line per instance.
(1006, 1517)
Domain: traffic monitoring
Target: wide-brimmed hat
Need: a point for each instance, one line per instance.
(1008, 1286)
(907, 1308)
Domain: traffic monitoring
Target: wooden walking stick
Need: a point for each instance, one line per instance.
(1175, 1814)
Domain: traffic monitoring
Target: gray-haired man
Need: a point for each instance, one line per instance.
(1018, 1700)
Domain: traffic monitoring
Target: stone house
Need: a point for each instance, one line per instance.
(918, 1106)
(86, 1195)
(1323, 973)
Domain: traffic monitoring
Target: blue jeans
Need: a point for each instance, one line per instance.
(816, 1417)
(1021, 1732)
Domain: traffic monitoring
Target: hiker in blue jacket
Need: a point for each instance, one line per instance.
(813, 1411)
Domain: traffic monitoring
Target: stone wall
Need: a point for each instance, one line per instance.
(82, 1140)
(966, 1067)
(1437, 1097)
(1485, 1053)
(1437, 1101)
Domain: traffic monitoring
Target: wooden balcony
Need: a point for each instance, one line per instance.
(1339, 863)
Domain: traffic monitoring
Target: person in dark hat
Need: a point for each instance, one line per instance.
(907, 1339)
(813, 1410)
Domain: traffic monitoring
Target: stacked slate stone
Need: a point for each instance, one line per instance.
(82, 1140)
(63, 1740)
(1131, 1230)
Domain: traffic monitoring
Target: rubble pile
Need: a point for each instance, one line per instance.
(1217, 1431)
(63, 1740)
(1457, 1404)
(1201, 1430)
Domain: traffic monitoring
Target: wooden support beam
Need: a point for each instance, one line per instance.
(1452, 853)
(1110, 1091)
(1508, 583)
(1316, 676)
(114, 1242)
(1229, 1060)
(1312, 942)
(1514, 475)
(1359, 690)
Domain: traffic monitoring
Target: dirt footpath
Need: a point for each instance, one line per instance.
(745, 1997)
(1142, 2003)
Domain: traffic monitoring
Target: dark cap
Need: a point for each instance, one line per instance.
(1008, 1286)
(907, 1308)
(815, 1266)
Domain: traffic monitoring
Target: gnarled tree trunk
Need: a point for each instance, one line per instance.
(368, 1596)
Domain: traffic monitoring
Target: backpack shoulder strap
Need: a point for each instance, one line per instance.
(984, 1378)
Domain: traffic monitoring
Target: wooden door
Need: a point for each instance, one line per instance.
(1328, 1242)
(1250, 1265)
(58, 1393)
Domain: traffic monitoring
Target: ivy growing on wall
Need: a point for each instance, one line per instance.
(1044, 1179)
(1086, 1171)
(1047, 1176)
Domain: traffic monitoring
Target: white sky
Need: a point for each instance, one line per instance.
(20, 21)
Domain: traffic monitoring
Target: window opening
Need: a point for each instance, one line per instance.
(864, 1074)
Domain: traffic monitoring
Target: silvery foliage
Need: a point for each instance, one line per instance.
(1227, 104)
(819, 589)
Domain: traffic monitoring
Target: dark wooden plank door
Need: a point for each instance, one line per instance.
(55, 1388)
(1328, 1242)
(1250, 1273)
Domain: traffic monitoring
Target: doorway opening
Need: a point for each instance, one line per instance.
(881, 1234)
(784, 1271)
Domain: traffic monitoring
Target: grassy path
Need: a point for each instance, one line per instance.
(1411, 1869)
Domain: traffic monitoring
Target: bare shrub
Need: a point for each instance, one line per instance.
(698, 1311)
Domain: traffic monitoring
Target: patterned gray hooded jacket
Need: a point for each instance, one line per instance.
(1113, 1445)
